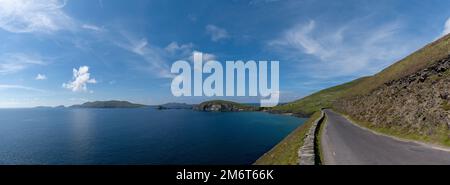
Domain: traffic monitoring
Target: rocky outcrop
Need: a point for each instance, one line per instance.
(174, 106)
(418, 103)
(223, 106)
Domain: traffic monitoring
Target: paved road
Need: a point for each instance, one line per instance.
(347, 144)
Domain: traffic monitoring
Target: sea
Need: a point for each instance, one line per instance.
(65, 136)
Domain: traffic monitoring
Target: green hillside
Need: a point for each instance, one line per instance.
(418, 60)
(322, 99)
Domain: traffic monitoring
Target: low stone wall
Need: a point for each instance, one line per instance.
(306, 153)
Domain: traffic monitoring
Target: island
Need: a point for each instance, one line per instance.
(175, 106)
(109, 104)
(224, 106)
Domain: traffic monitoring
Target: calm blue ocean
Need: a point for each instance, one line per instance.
(138, 136)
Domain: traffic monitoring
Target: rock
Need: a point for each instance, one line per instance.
(444, 95)
(412, 104)
(224, 106)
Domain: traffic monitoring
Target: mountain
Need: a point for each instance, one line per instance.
(409, 98)
(175, 106)
(224, 106)
(108, 104)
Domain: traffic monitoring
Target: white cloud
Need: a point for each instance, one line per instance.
(140, 46)
(93, 27)
(348, 50)
(157, 60)
(175, 48)
(15, 62)
(155, 57)
(41, 77)
(446, 27)
(206, 56)
(81, 78)
(216, 33)
(20, 87)
(24, 16)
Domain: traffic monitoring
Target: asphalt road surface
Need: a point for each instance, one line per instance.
(344, 143)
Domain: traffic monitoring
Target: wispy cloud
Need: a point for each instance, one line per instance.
(15, 62)
(179, 49)
(446, 27)
(20, 87)
(216, 33)
(154, 57)
(24, 16)
(157, 59)
(80, 79)
(93, 27)
(348, 50)
(140, 47)
(41, 77)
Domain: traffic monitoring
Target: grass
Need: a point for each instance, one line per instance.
(410, 64)
(286, 152)
(319, 141)
(440, 138)
(420, 59)
(321, 99)
(445, 106)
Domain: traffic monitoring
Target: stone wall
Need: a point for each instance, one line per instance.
(307, 153)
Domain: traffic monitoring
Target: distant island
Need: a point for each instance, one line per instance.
(109, 104)
(207, 106)
(224, 106)
(175, 106)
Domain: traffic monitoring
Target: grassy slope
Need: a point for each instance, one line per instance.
(411, 64)
(321, 99)
(414, 62)
(286, 152)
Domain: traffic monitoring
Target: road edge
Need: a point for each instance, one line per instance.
(428, 145)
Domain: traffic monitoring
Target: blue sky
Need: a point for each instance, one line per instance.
(67, 52)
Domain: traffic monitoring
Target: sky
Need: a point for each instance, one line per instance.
(55, 52)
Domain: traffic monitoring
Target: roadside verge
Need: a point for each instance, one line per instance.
(287, 151)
